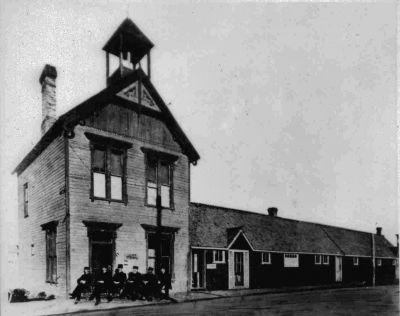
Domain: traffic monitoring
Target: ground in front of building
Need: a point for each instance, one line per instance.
(380, 300)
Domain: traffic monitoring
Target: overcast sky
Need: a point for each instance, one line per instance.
(290, 105)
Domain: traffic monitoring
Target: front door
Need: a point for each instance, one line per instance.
(198, 269)
(102, 256)
(338, 269)
(238, 269)
(101, 250)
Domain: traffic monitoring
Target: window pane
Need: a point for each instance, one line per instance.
(99, 160)
(165, 196)
(151, 170)
(99, 185)
(151, 193)
(116, 188)
(116, 163)
(164, 173)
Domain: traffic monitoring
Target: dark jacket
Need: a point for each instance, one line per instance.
(150, 279)
(119, 277)
(135, 278)
(85, 277)
(164, 280)
(105, 277)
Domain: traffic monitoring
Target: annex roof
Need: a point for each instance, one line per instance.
(211, 226)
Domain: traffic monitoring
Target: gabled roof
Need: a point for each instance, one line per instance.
(70, 119)
(213, 226)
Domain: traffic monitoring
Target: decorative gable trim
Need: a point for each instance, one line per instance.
(131, 93)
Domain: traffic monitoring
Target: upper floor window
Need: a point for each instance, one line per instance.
(291, 260)
(218, 256)
(159, 175)
(108, 169)
(265, 258)
(355, 261)
(26, 200)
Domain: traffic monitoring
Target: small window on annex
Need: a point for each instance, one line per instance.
(218, 256)
(265, 258)
(291, 260)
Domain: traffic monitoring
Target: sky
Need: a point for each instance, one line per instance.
(291, 105)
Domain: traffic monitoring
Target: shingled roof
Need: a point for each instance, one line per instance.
(210, 225)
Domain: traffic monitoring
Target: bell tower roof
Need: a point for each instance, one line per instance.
(128, 38)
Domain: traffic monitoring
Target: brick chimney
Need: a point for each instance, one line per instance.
(273, 211)
(379, 231)
(48, 82)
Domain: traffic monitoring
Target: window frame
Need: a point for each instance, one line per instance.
(109, 149)
(378, 262)
(394, 262)
(26, 199)
(325, 262)
(269, 260)
(50, 229)
(291, 255)
(318, 262)
(216, 260)
(355, 261)
(159, 161)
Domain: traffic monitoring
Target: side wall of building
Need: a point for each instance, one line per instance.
(131, 243)
(45, 178)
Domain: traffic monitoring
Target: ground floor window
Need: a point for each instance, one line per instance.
(378, 262)
(325, 260)
(218, 256)
(291, 260)
(355, 261)
(394, 262)
(317, 259)
(265, 258)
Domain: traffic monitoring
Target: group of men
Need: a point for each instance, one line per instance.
(135, 286)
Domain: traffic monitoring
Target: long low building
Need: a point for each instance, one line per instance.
(234, 249)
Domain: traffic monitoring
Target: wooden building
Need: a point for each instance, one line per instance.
(234, 249)
(108, 182)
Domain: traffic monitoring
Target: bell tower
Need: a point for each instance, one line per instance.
(131, 47)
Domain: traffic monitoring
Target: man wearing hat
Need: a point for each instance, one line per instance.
(102, 284)
(164, 283)
(134, 284)
(119, 280)
(150, 284)
(84, 284)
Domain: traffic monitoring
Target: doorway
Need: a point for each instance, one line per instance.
(338, 269)
(102, 255)
(198, 269)
(238, 269)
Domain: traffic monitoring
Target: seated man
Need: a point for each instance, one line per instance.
(150, 284)
(164, 283)
(102, 284)
(84, 284)
(134, 285)
(119, 280)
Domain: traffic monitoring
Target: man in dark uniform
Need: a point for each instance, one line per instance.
(84, 284)
(119, 280)
(164, 283)
(134, 285)
(150, 284)
(102, 284)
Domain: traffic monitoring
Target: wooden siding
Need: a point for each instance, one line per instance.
(127, 122)
(131, 237)
(45, 177)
